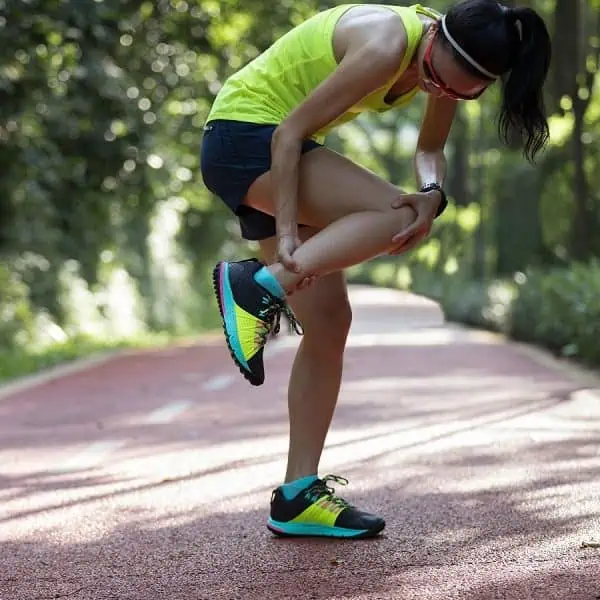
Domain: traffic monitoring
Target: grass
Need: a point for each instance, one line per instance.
(19, 362)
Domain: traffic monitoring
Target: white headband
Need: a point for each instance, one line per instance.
(468, 58)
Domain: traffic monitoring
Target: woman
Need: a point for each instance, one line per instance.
(315, 213)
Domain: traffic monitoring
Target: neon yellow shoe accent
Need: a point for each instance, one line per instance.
(251, 332)
(323, 512)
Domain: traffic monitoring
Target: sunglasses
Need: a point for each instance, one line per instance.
(434, 79)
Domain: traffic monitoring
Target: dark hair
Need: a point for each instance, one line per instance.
(514, 44)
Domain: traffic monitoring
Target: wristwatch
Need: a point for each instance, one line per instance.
(428, 187)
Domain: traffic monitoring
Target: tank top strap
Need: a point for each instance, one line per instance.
(414, 28)
(427, 11)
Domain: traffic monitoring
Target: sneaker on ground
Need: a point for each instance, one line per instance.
(317, 511)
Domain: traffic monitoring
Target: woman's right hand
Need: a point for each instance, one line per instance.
(287, 244)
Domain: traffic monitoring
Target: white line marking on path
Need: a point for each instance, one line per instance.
(167, 413)
(220, 382)
(91, 456)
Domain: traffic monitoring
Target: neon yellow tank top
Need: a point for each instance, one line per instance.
(268, 88)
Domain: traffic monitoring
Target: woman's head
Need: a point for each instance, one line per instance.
(481, 41)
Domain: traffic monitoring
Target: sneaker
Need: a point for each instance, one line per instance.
(249, 313)
(317, 511)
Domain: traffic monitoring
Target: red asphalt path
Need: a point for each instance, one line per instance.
(148, 476)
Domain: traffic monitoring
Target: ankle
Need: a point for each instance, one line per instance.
(299, 473)
(267, 280)
(286, 279)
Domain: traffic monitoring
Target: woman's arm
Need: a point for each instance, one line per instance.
(429, 160)
(368, 62)
(430, 167)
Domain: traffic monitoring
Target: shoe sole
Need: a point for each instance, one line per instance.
(217, 290)
(303, 530)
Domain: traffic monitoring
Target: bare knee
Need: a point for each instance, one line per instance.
(398, 219)
(405, 213)
(384, 205)
(326, 319)
(329, 324)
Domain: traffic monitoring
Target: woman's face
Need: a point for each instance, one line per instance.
(441, 75)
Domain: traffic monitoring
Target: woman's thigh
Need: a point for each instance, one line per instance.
(330, 187)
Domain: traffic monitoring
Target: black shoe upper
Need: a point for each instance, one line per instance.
(254, 299)
(257, 301)
(248, 294)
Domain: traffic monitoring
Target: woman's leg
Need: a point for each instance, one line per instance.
(303, 505)
(351, 205)
(352, 208)
(325, 314)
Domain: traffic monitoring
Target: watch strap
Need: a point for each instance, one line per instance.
(428, 187)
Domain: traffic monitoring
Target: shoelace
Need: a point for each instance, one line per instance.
(270, 324)
(321, 489)
(294, 325)
(272, 321)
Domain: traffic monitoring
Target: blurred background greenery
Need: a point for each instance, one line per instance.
(108, 236)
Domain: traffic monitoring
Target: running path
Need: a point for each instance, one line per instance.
(148, 476)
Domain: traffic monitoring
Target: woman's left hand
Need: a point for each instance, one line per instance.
(426, 205)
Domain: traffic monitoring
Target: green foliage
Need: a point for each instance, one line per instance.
(560, 310)
(18, 361)
(16, 318)
(107, 230)
(478, 303)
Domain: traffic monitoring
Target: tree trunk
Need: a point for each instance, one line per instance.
(566, 55)
(585, 221)
(459, 163)
(479, 239)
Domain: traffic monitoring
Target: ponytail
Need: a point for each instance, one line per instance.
(523, 112)
(513, 45)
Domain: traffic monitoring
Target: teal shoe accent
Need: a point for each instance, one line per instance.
(293, 488)
(307, 529)
(267, 280)
(229, 315)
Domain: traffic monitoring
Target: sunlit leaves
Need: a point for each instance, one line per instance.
(561, 128)
(102, 104)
